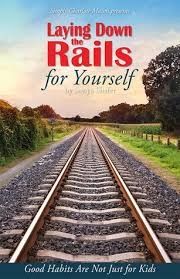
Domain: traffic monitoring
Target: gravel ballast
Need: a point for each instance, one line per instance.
(87, 238)
(149, 191)
(163, 196)
(14, 195)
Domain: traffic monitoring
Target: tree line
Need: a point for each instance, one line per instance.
(44, 111)
(161, 80)
(22, 130)
(122, 113)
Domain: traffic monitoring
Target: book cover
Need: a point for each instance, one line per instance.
(90, 139)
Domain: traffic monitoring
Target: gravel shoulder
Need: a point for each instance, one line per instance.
(16, 192)
(23, 164)
(166, 199)
(166, 176)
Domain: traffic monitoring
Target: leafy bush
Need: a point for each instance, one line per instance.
(151, 129)
(6, 135)
(18, 132)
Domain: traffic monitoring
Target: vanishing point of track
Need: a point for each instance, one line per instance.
(88, 213)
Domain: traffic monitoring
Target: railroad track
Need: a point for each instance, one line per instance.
(89, 209)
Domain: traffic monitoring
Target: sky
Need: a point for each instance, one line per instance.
(23, 51)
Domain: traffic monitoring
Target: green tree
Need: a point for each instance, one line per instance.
(77, 118)
(119, 113)
(27, 111)
(46, 111)
(161, 80)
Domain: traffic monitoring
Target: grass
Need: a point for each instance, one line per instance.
(144, 128)
(149, 128)
(10, 161)
(165, 157)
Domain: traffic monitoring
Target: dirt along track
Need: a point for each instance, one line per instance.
(89, 208)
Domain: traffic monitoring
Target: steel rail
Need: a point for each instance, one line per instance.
(150, 237)
(29, 238)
